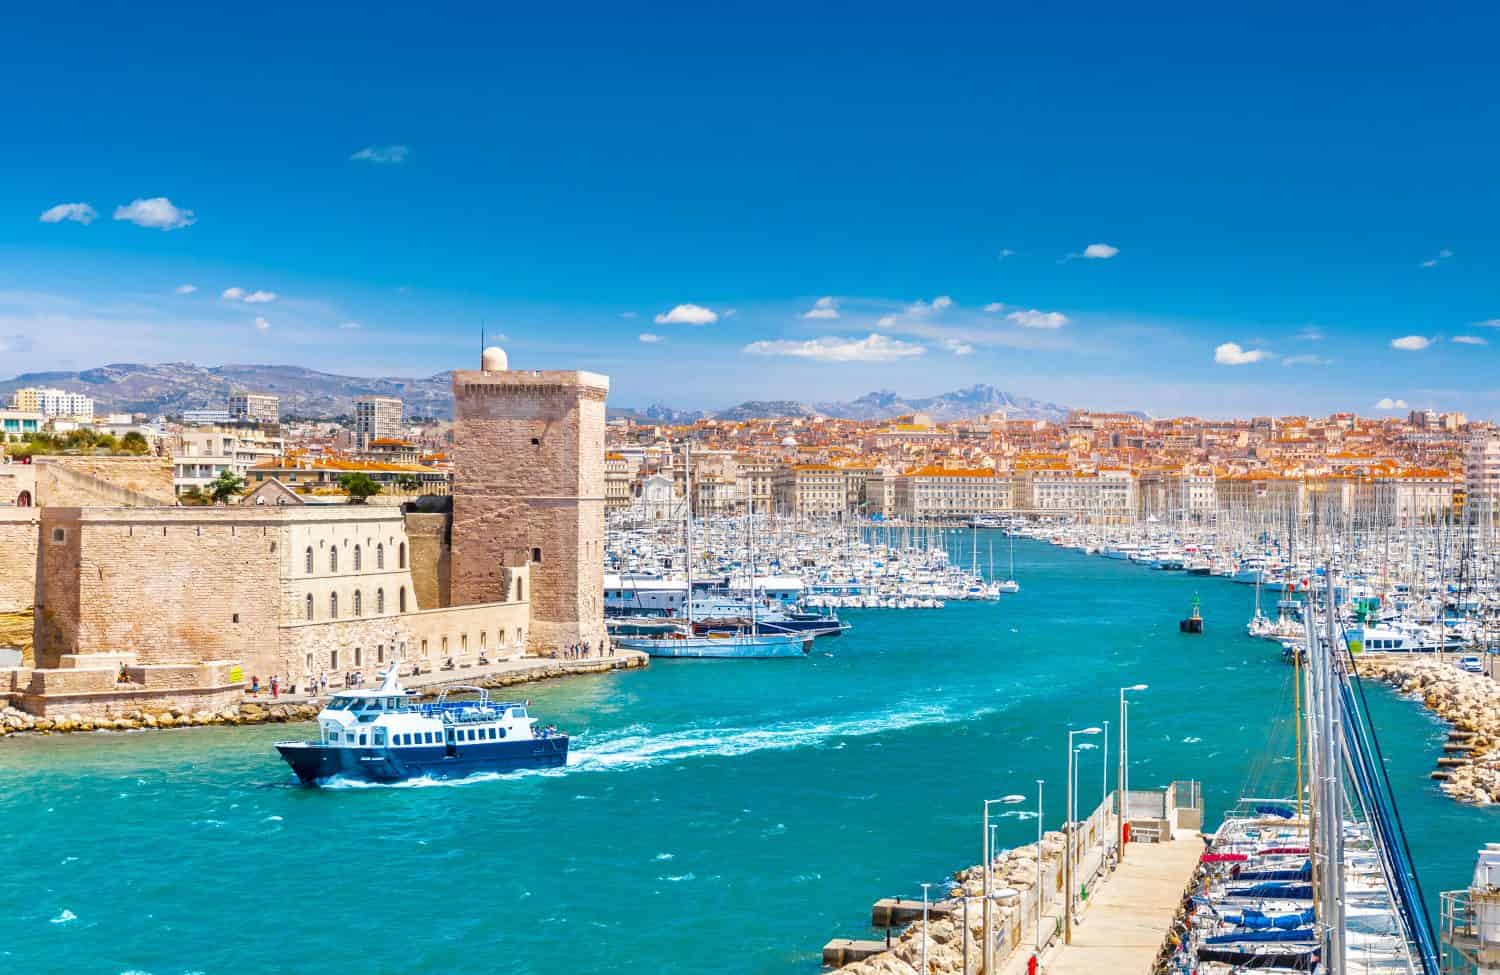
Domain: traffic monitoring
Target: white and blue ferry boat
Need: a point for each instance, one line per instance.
(384, 735)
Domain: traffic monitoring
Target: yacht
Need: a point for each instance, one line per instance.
(385, 735)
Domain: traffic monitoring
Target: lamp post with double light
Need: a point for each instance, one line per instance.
(1122, 781)
(1009, 800)
(1068, 839)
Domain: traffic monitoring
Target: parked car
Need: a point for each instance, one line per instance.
(1472, 664)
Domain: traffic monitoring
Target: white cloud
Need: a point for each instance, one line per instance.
(1442, 256)
(1470, 340)
(185, 289)
(823, 308)
(261, 323)
(1411, 343)
(1391, 404)
(351, 326)
(649, 338)
(248, 297)
(158, 213)
(76, 212)
(957, 346)
(995, 307)
(382, 155)
(1032, 318)
(872, 348)
(1004, 253)
(1304, 360)
(942, 303)
(1233, 354)
(1100, 252)
(688, 315)
(1489, 323)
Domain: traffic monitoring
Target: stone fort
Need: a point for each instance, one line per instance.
(140, 603)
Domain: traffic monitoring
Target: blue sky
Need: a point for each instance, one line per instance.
(1274, 198)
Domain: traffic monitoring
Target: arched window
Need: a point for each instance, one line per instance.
(520, 589)
(23, 500)
(309, 603)
(359, 608)
(309, 560)
(401, 556)
(536, 556)
(333, 605)
(333, 559)
(379, 601)
(358, 558)
(463, 642)
(481, 639)
(380, 555)
(401, 600)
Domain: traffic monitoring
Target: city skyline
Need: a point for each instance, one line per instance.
(1274, 220)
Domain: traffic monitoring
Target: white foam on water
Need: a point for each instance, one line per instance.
(1191, 740)
(1022, 814)
(65, 917)
(665, 856)
(636, 746)
(679, 878)
(273, 819)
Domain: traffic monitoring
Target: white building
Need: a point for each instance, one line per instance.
(255, 407)
(55, 404)
(376, 418)
(1482, 476)
(200, 455)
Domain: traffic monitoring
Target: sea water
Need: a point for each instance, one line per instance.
(714, 816)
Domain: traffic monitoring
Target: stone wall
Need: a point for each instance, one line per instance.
(78, 481)
(431, 558)
(161, 585)
(529, 487)
(18, 543)
(17, 484)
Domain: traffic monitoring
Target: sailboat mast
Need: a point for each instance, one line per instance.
(687, 482)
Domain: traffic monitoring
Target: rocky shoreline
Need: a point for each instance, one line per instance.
(1469, 768)
(1014, 869)
(265, 710)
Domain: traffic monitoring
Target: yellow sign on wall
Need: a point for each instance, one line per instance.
(236, 674)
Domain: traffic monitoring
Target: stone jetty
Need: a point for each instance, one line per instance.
(1469, 768)
(267, 710)
(1014, 869)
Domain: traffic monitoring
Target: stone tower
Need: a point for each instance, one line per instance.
(528, 486)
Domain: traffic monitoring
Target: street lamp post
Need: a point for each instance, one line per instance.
(1009, 800)
(1068, 840)
(924, 928)
(1122, 781)
(1104, 790)
(1039, 866)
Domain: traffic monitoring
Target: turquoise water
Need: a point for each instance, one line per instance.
(716, 816)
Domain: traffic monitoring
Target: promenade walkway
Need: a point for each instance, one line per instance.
(499, 673)
(1127, 917)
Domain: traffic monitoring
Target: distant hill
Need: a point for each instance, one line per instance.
(171, 387)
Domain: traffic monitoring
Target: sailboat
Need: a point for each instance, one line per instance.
(683, 643)
(1010, 584)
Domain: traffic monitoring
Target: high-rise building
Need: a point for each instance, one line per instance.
(55, 404)
(376, 418)
(528, 489)
(1482, 477)
(255, 407)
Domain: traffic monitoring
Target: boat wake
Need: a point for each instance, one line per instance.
(638, 747)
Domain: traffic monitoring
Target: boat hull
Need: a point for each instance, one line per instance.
(709, 648)
(314, 762)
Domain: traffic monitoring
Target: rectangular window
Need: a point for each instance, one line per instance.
(429, 737)
(363, 738)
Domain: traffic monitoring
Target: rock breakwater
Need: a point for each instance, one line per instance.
(1469, 768)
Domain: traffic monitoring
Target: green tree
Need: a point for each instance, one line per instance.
(227, 485)
(135, 443)
(409, 483)
(359, 486)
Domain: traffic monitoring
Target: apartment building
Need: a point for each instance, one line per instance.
(376, 418)
(255, 407)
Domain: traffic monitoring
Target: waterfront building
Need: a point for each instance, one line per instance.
(811, 491)
(376, 418)
(1482, 476)
(757, 482)
(938, 492)
(255, 407)
(617, 476)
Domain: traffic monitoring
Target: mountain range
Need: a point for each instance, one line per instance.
(172, 387)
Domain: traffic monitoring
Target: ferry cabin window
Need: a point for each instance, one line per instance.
(362, 738)
(379, 736)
